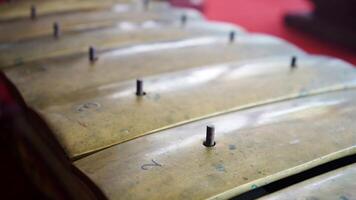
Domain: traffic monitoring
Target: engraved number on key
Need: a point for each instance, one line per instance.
(150, 165)
(88, 106)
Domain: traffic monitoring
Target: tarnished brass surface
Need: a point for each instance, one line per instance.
(338, 184)
(81, 21)
(125, 34)
(21, 9)
(95, 118)
(253, 147)
(39, 87)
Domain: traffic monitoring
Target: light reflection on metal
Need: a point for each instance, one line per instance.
(123, 35)
(172, 83)
(163, 46)
(240, 159)
(233, 125)
(188, 95)
(82, 21)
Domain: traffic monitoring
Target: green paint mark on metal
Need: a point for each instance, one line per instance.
(343, 198)
(18, 61)
(220, 167)
(232, 147)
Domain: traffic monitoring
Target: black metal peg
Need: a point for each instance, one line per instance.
(139, 88)
(146, 4)
(33, 12)
(56, 30)
(293, 63)
(210, 135)
(183, 20)
(92, 54)
(232, 36)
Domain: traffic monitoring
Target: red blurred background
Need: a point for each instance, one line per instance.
(266, 16)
